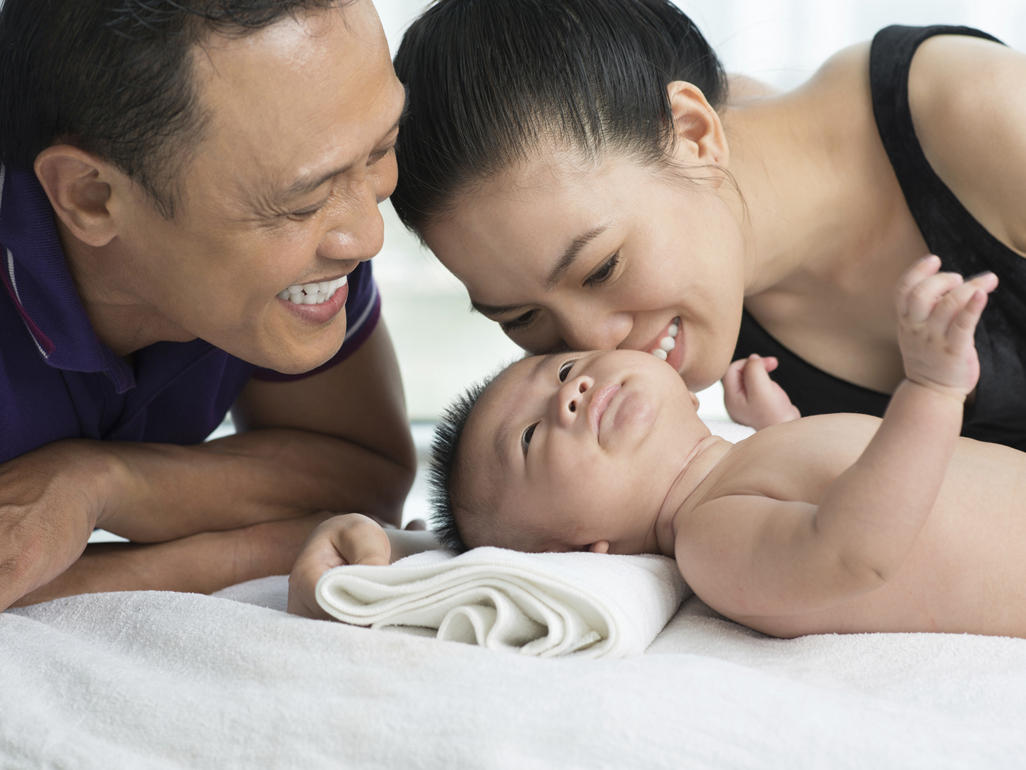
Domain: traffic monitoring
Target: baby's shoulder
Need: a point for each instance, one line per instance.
(790, 460)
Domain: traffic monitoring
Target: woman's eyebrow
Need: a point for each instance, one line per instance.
(565, 262)
(571, 253)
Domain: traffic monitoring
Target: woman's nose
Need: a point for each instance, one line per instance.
(570, 399)
(591, 331)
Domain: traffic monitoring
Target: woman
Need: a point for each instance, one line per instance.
(593, 178)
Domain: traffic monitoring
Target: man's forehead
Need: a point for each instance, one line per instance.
(298, 102)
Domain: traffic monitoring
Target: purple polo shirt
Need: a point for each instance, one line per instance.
(57, 380)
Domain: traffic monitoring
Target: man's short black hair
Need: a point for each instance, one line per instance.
(114, 78)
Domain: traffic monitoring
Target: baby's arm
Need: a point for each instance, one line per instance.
(752, 398)
(349, 538)
(786, 557)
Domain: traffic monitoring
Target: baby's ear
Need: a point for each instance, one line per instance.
(602, 546)
(694, 399)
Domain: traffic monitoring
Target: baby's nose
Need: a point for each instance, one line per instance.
(570, 400)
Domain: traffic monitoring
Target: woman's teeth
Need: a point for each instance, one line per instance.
(667, 343)
(312, 293)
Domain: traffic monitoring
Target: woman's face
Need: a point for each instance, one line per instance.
(570, 254)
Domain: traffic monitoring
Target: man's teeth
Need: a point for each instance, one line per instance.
(312, 293)
(667, 343)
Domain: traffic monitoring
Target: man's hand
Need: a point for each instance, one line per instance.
(752, 398)
(350, 538)
(937, 317)
(50, 501)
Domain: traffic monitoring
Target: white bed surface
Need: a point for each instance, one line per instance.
(165, 680)
(156, 679)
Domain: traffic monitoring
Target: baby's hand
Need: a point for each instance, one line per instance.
(937, 317)
(752, 398)
(350, 538)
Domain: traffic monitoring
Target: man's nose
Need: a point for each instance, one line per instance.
(357, 230)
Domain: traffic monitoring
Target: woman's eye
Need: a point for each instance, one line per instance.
(564, 370)
(520, 322)
(604, 273)
(525, 439)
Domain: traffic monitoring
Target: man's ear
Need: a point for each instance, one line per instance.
(698, 131)
(602, 546)
(79, 186)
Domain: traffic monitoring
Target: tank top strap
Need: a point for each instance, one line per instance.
(890, 61)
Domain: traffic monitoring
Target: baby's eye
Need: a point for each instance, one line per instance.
(525, 439)
(564, 370)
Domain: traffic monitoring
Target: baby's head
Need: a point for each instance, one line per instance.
(564, 452)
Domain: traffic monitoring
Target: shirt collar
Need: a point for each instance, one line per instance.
(35, 274)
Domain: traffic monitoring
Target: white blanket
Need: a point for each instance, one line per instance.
(162, 680)
(586, 604)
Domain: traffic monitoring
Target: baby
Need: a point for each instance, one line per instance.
(833, 523)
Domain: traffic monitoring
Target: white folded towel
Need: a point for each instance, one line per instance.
(545, 604)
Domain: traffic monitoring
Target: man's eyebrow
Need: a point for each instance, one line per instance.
(308, 183)
(564, 264)
(502, 441)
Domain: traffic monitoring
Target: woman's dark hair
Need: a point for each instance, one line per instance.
(487, 79)
(114, 78)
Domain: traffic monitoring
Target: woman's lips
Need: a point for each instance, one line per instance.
(598, 405)
(668, 345)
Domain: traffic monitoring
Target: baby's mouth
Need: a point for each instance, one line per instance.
(668, 341)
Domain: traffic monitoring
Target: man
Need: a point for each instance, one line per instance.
(189, 207)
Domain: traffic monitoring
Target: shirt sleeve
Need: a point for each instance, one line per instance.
(363, 310)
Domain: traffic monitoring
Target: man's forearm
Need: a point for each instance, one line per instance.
(158, 492)
(200, 563)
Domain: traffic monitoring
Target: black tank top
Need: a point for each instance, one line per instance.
(998, 412)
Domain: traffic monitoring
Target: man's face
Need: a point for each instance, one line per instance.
(571, 449)
(280, 199)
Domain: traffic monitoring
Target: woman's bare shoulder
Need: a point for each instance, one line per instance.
(969, 107)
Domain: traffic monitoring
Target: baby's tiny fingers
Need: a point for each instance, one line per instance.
(923, 298)
(962, 329)
(912, 277)
(986, 282)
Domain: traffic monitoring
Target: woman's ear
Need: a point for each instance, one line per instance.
(698, 131)
(79, 188)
